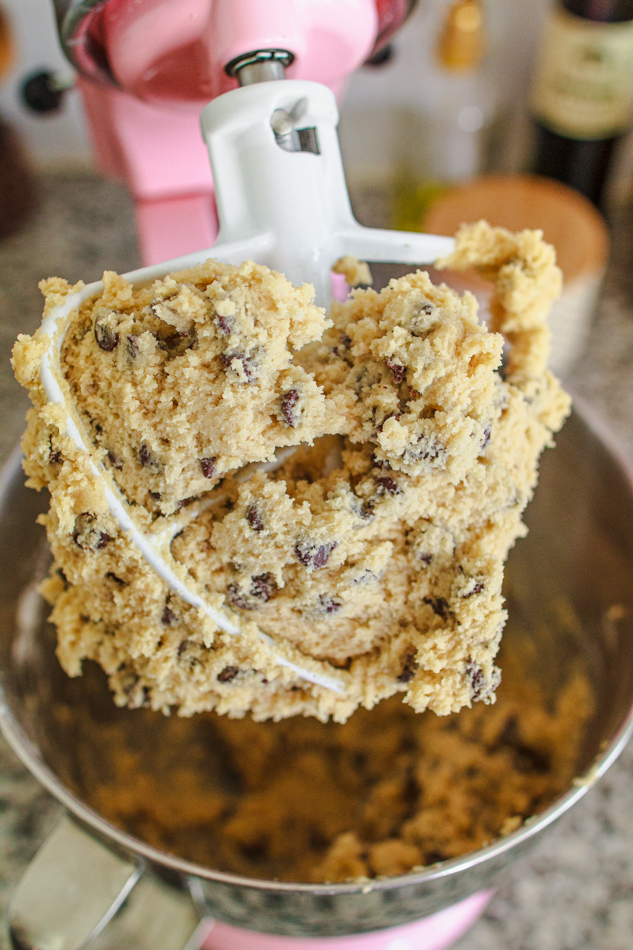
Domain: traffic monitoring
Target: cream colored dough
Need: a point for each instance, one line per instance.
(376, 547)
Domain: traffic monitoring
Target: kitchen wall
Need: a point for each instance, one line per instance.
(53, 141)
(380, 102)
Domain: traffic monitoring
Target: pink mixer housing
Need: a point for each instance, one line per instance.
(168, 58)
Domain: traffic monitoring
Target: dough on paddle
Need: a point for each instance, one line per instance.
(373, 553)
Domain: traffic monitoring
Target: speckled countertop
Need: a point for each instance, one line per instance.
(575, 892)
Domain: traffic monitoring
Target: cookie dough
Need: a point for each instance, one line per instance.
(191, 378)
(300, 800)
(374, 552)
(354, 271)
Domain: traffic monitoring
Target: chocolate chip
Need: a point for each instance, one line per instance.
(360, 760)
(86, 535)
(397, 369)
(288, 407)
(322, 554)
(208, 467)
(342, 350)
(106, 334)
(54, 455)
(314, 555)
(114, 460)
(363, 378)
(409, 669)
(328, 604)
(426, 558)
(387, 486)
(439, 606)
(179, 342)
(486, 438)
(254, 520)
(474, 587)
(168, 616)
(238, 598)
(509, 735)
(117, 580)
(524, 758)
(381, 425)
(476, 679)
(147, 458)
(425, 450)
(255, 851)
(182, 647)
(264, 586)
(133, 348)
(228, 674)
(366, 511)
(412, 792)
(246, 361)
(225, 323)
(434, 857)
(423, 320)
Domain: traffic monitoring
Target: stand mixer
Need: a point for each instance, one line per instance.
(148, 68)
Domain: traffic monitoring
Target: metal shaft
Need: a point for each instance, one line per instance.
(262, 65)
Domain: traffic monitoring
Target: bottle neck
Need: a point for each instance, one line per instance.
(462, 39)
(601, 11)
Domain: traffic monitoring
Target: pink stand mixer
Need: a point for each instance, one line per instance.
(149, 69)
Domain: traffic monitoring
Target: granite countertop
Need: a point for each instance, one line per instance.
(575, 892)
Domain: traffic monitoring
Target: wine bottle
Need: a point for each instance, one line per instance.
(582, 93)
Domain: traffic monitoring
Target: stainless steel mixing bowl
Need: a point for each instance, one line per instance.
(579, 552)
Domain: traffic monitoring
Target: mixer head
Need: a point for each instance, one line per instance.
(176, 51)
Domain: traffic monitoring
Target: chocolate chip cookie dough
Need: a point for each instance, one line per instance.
(372, 554)
(189, 379)
(301, 800)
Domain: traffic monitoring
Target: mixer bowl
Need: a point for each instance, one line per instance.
(579, 552)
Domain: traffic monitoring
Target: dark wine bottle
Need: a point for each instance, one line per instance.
(582, 93)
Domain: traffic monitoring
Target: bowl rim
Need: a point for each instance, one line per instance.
(29, 755)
